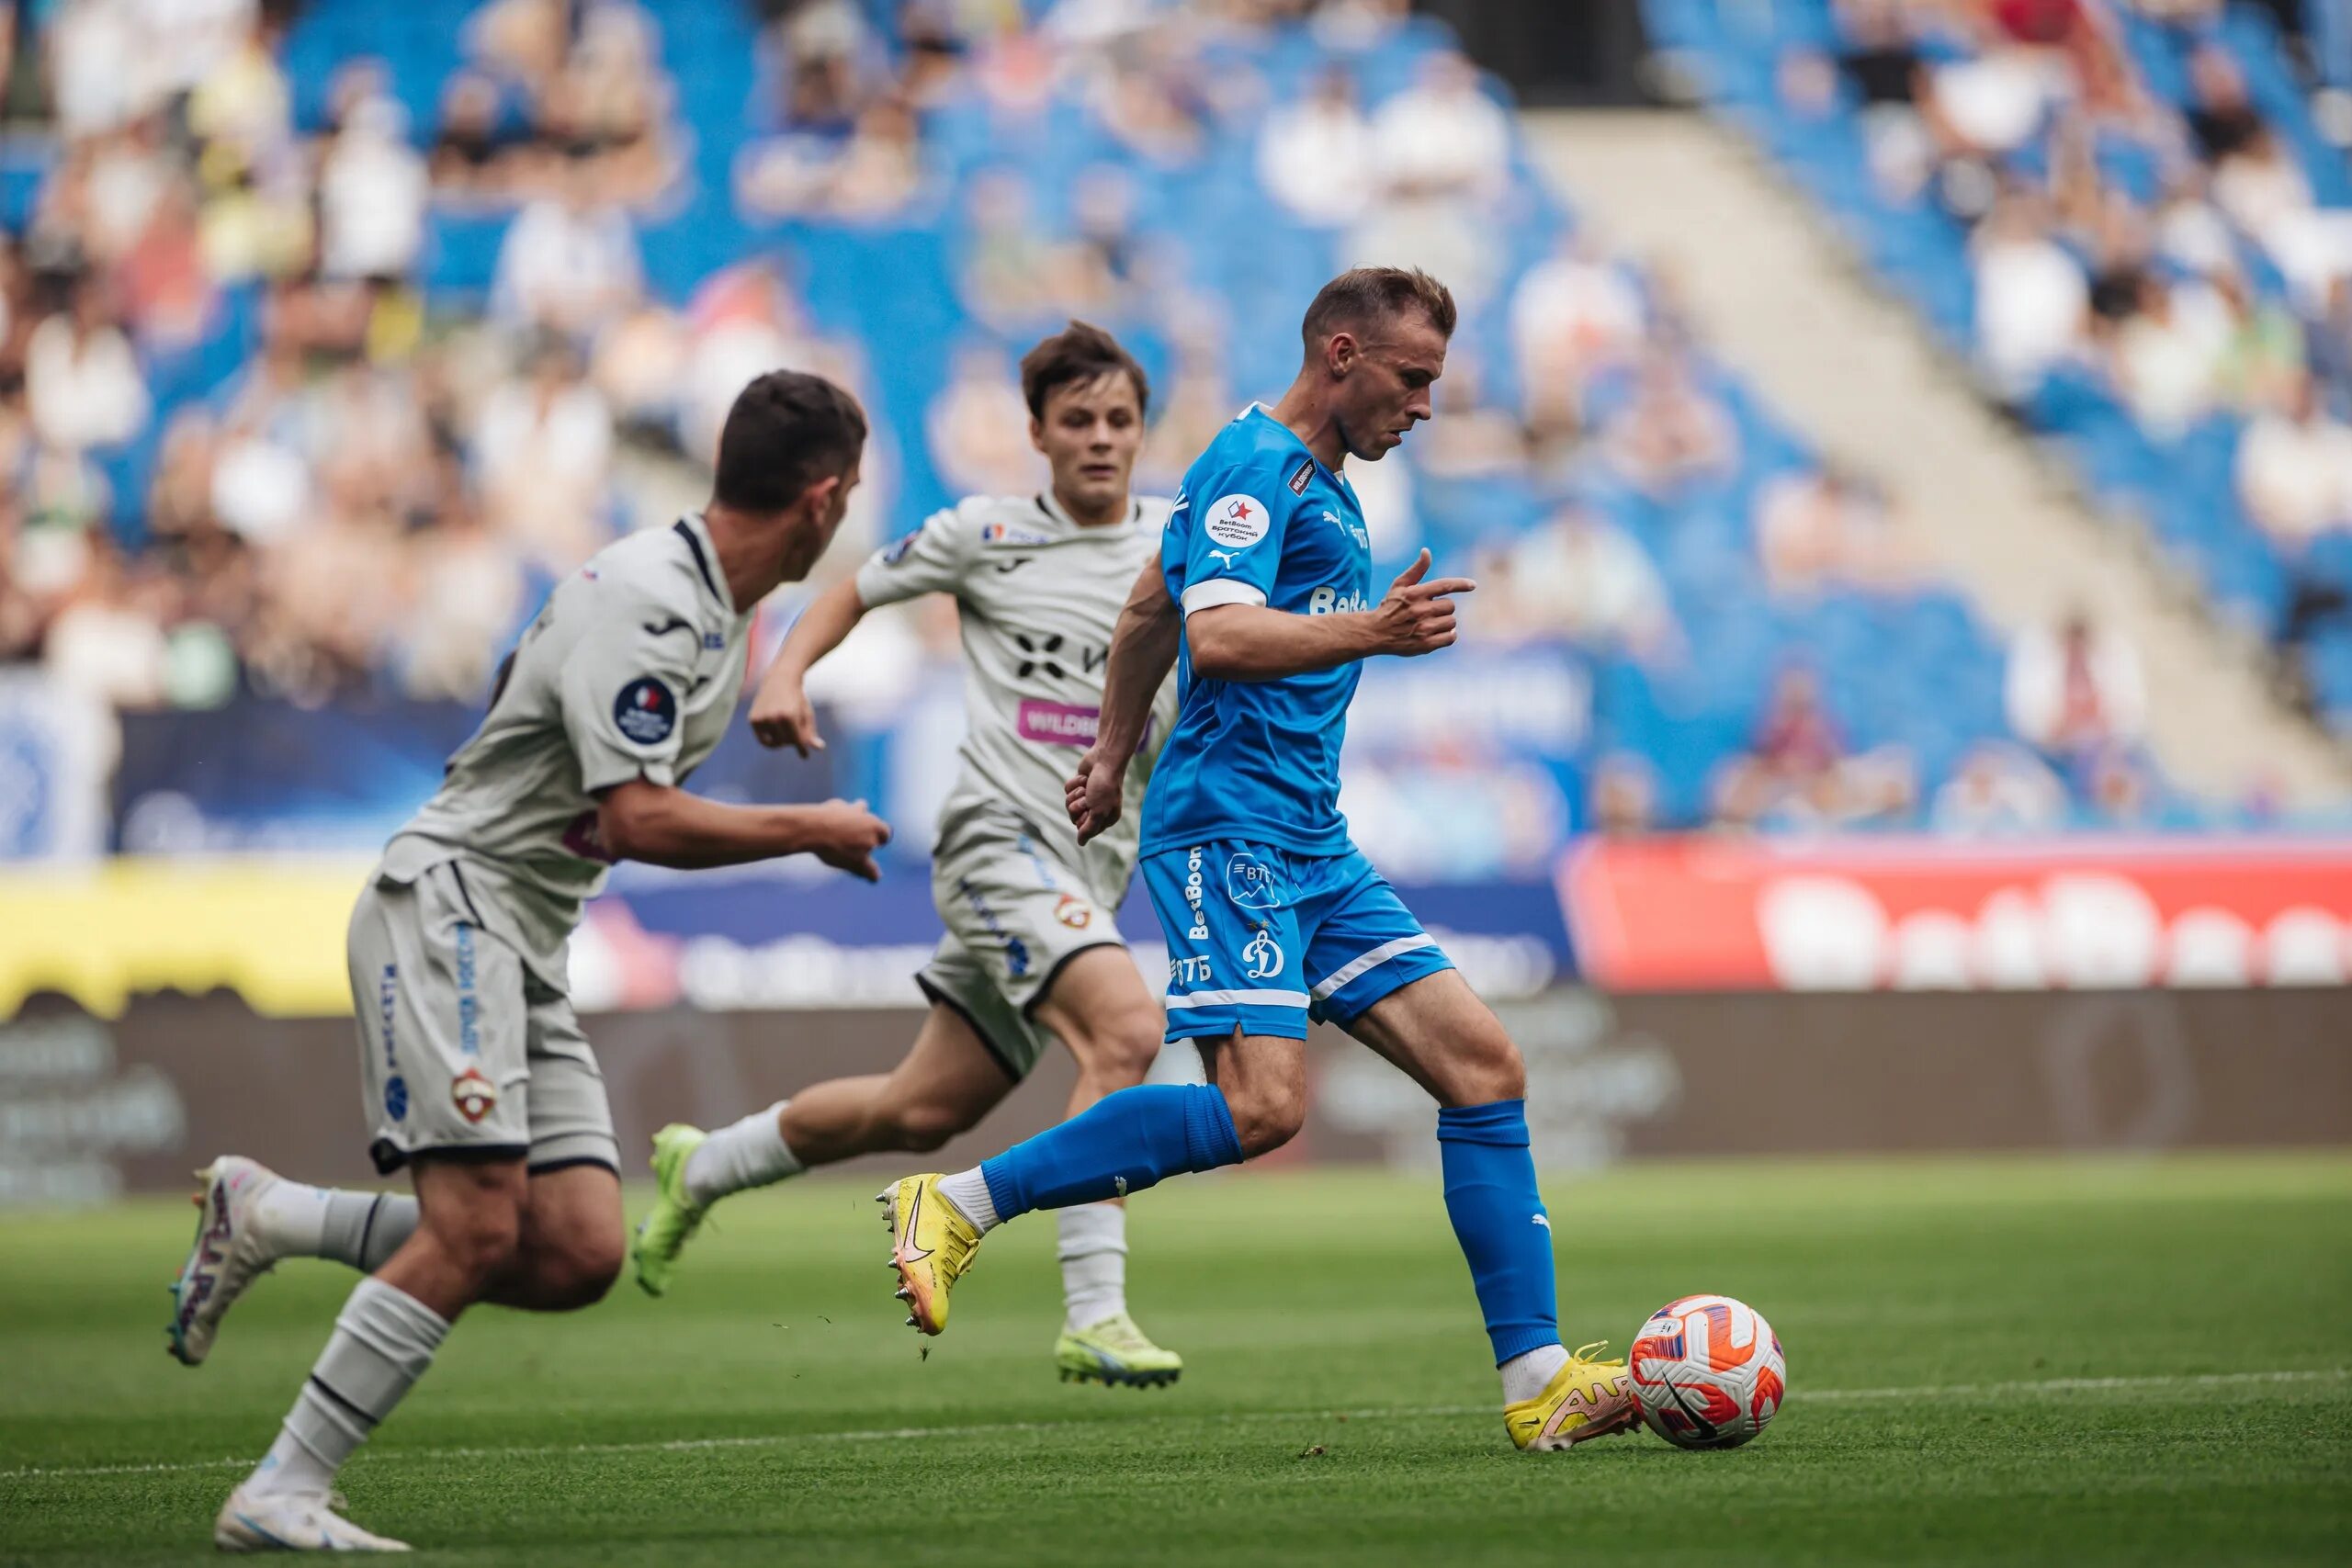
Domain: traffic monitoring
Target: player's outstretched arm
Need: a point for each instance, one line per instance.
(1143, 647)
(1251, 642)
(781, 714)
(662, 825)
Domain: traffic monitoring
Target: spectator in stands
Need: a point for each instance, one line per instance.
(542, 449)
(1882, 63)
(2075, 688)
(2294, 468)
(1798, 772)
(372, 191)
(1304, 140)
(1008, 262)
(1580, 577)
(1197, 401)
(2327, 341)
(106, 639)
(82, 385)
(2262, 357)
(1472, 436)
(1622, 799)
(1573, 315)
(881, 170)
(2166, 358)
(980, 428)
(2190, 231)
(568, 262)
(1672, 437)
(2033, 301)
(470, 157)
(467, 596)
(2000, 789)
(1823, 527)
(167, 291)
(2120, 789)
(2222, 120)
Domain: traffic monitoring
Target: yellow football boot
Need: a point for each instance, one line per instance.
(931, 1246)
(1117, 1354)
(1585, 1399)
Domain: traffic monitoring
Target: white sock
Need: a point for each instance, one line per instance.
(291, 1218)
(359, 1230)
(1528, 1375)
(750, 1153)
(1093, 1252)
(968, 1191)
(382, 1345)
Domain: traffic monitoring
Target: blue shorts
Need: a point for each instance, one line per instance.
(1266, 939)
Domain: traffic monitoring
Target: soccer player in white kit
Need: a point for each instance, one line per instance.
(1031, 950)
(476, 1075)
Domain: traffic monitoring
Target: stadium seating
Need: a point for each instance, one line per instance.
(1907, 673)
(2180, 482)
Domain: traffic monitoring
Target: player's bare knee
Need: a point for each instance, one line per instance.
(1266, 1115)
(1488, 1069)
(481, 1238)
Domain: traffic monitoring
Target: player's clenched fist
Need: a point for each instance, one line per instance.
(1096, 796)
(845, 835)
(1416, 616)
(781, 716)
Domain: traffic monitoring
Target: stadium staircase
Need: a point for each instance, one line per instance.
(1783, 304)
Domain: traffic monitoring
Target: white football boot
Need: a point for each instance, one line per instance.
(229, 1254)
(268, 1523)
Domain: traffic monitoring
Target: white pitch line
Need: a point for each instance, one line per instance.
(980, 1428)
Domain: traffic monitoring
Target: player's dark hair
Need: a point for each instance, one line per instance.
(788, 430)
(1079, 352)
(1364, 295)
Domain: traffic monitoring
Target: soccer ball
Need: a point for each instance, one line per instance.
(1707, 1372)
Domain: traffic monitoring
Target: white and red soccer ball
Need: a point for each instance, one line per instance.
(1707, 1372)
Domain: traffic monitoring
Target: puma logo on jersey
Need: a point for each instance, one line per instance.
(1224, 557)
(674, 624)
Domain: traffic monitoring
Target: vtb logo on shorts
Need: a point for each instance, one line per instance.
(1262, 958)
(1250, 882)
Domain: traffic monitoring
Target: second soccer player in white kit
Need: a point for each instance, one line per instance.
(1031, 950)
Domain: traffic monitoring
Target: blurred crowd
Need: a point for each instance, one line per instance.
(2154, 207)
(260, 453)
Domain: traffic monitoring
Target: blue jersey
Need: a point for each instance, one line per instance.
(1259, 522)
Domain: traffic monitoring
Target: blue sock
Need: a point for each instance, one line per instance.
(1120, 1143)
(1499, 1219)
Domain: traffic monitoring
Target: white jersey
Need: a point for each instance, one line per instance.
(1039, 596)
(632, 669)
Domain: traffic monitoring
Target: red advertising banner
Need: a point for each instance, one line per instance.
(1916, 914)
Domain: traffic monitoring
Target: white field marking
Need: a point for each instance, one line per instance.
(1389, 1413)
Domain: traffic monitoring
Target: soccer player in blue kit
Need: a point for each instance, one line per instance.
(1273, 916)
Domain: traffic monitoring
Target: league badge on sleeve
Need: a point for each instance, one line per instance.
(645, 712)
(1237, 522)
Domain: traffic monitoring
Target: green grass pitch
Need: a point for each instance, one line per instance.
(2005, 1361)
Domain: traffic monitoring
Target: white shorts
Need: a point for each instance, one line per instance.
(462, 1051)
(1015, 916)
